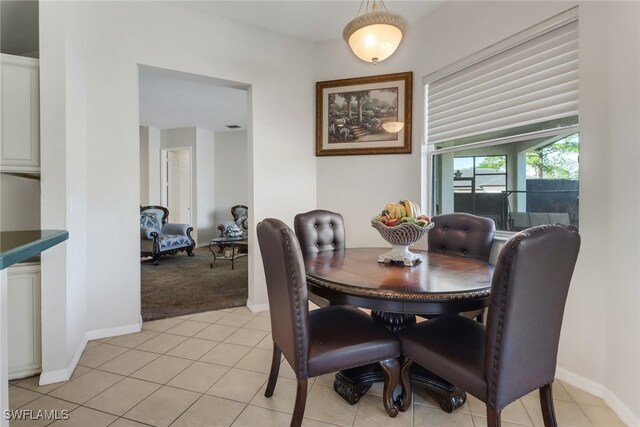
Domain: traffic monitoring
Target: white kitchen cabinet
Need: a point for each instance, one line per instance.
(25, 354)
(20, 136)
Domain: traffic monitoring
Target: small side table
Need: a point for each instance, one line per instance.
(233, 244)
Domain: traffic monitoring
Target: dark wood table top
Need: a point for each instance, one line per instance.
(438, 284)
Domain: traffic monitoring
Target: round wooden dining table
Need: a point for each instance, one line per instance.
(439, 284)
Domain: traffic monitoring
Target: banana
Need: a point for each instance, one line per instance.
(407, 206)
(392, 211)
(391, 208)
(400, 209)
(413, 209)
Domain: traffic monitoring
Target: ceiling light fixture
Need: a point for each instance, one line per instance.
(376, 34)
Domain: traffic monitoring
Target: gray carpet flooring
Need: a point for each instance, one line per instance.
(182, 285)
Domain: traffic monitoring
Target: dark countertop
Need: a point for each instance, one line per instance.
(17, 246)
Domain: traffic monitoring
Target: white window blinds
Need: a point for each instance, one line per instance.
(531, 82)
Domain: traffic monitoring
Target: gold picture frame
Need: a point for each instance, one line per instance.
(350, 114)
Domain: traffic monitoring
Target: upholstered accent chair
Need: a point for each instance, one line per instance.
(517, 350)
(159, 237)
(237, 227)
(319, 230)
(317, 342)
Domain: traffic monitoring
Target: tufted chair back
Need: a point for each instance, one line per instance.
(528, 295)
(462, 234)
(287, 291)
(319, 231)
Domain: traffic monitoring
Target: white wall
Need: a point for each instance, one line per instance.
(597, 352)
(89, 91)
(623, 139)
(205, 162)
(359, 186)
(64, 195)
(154, 166)
(144, 165)
(201, 143)
(19, 203)
(185, 138)
(231, 170)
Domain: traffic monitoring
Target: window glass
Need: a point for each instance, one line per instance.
(518, 185)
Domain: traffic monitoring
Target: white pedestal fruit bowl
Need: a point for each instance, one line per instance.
(401, 237)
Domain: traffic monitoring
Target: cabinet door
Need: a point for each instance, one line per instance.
(25, 355)
(20, 143)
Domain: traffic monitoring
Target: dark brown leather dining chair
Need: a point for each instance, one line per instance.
(319, 341)
(462, 234)
(319, 230)
(517, 350)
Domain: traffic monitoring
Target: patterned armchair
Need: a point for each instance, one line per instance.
(237, 227)
(158, 237)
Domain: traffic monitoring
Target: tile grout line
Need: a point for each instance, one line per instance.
(253, 370)
(179, 388)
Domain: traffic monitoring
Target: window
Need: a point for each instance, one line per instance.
(518, 185)
(502, 129)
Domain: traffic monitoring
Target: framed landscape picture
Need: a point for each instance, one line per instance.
(362, 115)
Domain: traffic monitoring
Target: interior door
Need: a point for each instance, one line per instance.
(179, 186)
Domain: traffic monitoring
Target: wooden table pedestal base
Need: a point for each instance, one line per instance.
(354, 383)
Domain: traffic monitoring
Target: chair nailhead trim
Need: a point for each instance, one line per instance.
(503, 302)
(296, 298)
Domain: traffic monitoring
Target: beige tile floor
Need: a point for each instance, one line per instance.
(210, 369)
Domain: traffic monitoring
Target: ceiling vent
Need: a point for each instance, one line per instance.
(233, 126)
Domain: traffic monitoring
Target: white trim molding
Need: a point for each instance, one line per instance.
(256, 308)
(615, 404)
(50, 377)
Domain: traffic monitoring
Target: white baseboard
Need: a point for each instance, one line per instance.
(579, 381)
(50, 377)
(623, 411)
(113, 332)
(255, 308)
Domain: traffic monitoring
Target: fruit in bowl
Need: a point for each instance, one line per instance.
(404, 211)
(402, 225)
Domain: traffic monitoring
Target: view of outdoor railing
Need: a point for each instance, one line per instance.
(542, 207)
(516, 210)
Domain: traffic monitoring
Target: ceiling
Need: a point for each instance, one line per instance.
(172, 99)
(310, 20)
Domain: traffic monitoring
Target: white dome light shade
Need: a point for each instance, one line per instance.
(374, 37)
(393, 127)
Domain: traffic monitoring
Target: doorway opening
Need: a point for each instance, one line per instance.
(194, 163)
